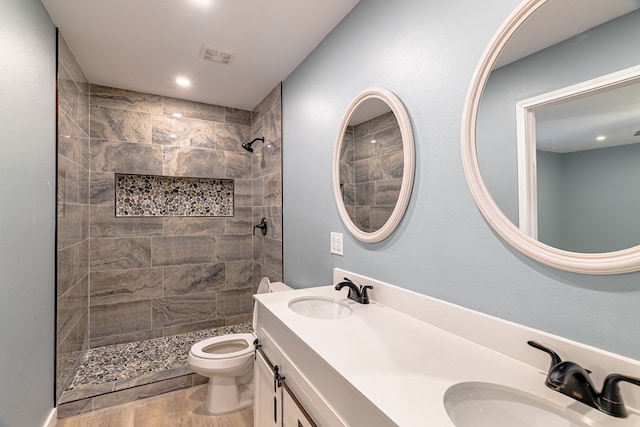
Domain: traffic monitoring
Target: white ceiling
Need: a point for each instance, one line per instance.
(144, 45)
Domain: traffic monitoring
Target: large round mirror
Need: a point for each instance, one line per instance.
(373, 165)
(550, 134)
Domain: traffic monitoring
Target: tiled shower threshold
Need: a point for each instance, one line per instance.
(122, 373)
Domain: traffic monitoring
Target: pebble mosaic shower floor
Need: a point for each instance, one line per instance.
(113, 367)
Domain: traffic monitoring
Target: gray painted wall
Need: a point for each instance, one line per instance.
(601, 199)
(27, 213)
(426, 52)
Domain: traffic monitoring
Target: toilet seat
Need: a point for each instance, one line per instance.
(224, 347)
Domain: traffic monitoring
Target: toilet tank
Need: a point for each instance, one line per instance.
(267, 286)
(279, 286)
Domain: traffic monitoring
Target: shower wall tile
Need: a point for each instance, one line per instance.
(191, 279)
(239, 274)
(183, 132)
(272, 256)
(237, 117)
(104, 96)
(272, 190)
(257, 248)
(120, 125)
(124, 157)
(179, 250)
(69, 98)
(184, 309)
(193, 163)
(121, 318)
(105, 224)
(73, 265)
(230, 137)
(72, 305)
(241, 222)
(102, 189)
(71, 221)
(120, 253)
(233, 302)
(194, 226)
(243, 193)
(147, 334)
(238, 165)
(234, 247)
(75, 149)
(111, 287)
(193, 110)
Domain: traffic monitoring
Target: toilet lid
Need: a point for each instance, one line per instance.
(224, 346)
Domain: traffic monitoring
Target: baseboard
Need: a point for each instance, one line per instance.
(51, 419)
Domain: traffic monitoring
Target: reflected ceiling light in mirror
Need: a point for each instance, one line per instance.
(601, 138)
(177, 115)
(183, 82)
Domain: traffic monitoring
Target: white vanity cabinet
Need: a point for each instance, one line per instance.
(276, 404)
(267, 396)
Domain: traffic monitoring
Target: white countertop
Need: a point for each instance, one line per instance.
(404, 366)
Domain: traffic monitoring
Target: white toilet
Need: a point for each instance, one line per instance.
(228, 362)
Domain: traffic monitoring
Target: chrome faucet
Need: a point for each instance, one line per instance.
(356, 293)
(573, 380)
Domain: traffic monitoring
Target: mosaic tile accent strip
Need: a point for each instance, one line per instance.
(152, 195)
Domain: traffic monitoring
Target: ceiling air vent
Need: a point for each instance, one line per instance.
(217, 55)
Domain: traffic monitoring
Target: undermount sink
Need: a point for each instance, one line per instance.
(475, 404)
(320, 307)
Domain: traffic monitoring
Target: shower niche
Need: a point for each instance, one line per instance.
(154, 195)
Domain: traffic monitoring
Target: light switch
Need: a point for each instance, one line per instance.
(336, 243)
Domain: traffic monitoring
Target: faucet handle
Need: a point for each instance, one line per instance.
(555, 359)
(610, 397)
(364, 296)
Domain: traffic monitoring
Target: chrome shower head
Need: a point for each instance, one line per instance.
(248, 145)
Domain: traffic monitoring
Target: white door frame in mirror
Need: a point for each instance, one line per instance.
(406, 133)
(526, 135)
(622, 261)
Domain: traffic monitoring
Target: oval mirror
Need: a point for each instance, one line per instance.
(545, 94)
(373, 165)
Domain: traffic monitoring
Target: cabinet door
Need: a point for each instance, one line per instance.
(292, 413)
(267, 401)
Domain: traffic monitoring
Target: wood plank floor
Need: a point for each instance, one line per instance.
(178, 408)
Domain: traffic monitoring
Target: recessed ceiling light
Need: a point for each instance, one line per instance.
(202, 3)
(601, 138)
(183, 81)
(177, 115)
(373, 141)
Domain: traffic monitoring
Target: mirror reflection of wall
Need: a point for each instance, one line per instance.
(371, 165)
(604, 49)
(588, 152)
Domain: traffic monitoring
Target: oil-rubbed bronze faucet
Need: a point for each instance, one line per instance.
(356, 293)
(573, 380)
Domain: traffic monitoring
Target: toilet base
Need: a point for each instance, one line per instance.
(225, 395)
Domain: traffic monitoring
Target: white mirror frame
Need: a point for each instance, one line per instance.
(406, 132)
(623, 261)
